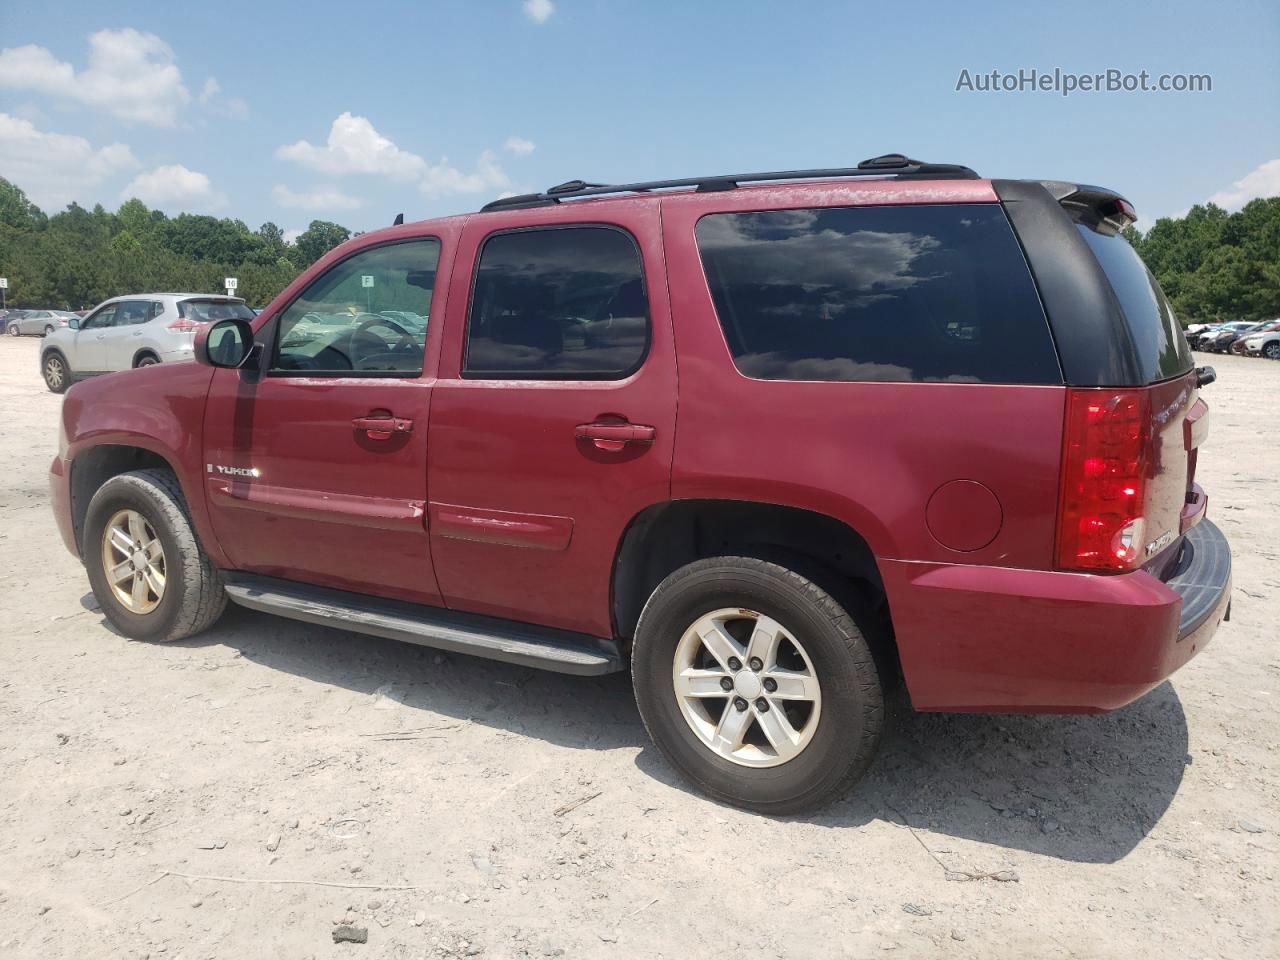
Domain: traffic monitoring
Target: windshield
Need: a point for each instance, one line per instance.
(1161, 346)
(208, 310)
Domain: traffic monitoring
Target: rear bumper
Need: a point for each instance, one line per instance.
(60, 499)
(999, 640)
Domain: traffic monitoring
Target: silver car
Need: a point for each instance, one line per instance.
(134, 331)
(36, 323)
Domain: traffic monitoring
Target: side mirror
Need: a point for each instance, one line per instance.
(73, 323)
(226, 343)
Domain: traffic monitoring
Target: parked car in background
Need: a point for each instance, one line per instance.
(1220, 340)
(1264, 342)
(976, 477)
(132, 331)
(37, 323)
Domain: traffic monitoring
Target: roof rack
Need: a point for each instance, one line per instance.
(890, 164)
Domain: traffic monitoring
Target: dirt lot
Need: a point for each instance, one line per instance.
(267, 753)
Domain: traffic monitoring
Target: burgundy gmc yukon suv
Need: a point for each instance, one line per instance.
(774, 442)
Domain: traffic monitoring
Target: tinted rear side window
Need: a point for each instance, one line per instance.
(1158, 339)
(557, 304)
(908, 293)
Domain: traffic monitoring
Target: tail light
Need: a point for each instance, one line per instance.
(1104, 467)
(183, 325)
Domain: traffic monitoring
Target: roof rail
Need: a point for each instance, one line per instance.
(890, 164)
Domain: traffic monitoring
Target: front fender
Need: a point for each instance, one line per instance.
(159, 409)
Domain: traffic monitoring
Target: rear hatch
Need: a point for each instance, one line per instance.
(1164, 420)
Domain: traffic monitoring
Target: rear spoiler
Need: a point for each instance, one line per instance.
(1096, 207)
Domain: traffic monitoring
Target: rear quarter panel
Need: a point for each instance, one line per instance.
(869, 454)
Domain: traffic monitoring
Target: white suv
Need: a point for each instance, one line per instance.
(133, 331)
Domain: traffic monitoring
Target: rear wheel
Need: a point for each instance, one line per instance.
(57, 375)
(147, 569)
(146, 360)
(757, 685)
(48, 330)
(13, 330)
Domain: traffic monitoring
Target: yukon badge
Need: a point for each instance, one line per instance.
(251, 472)
(1154, 547)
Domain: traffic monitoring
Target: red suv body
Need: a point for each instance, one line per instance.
(959, 406)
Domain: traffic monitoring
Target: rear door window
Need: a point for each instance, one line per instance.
(906, 293)
(1158, 339)
(130, 313)
(563, 303)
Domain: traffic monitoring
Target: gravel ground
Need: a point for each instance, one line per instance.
(186, 800)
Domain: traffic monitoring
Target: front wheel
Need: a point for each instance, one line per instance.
(147, 569)
(757, 685)
(1272, 350)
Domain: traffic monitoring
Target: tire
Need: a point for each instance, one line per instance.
(48, 330)
(1272, 350)
(14, 331)
(57, 375)
(146, 360)
(192, 597)
(849, 706)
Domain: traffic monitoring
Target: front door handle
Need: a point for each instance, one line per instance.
(614, 436)
(382, 428)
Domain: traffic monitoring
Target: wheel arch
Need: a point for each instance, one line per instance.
(92, 466)
(666, 536)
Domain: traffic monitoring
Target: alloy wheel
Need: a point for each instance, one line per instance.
(133, 561)
(55, 373)
(747, 688)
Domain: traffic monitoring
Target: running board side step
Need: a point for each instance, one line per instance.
(525, 644)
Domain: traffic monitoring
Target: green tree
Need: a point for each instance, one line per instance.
(318, 239)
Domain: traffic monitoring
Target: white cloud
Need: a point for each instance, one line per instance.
(321, 198)
(443, 179)
(354, 146)
(520, 146)
(291, 236)
(175, 188)
(210, 90)
(1264, 181)
(229, 109)
(539, 11)
(131, 75)
(56, 168)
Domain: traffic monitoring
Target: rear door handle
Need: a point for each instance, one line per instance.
(614, 436)
(382, 428)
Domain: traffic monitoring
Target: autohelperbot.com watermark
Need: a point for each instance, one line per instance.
(1065, 82)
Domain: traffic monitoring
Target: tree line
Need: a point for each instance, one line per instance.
(1216, 266)
(77, 258)
(1213, 265)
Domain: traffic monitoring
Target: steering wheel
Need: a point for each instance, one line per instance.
(405, 343)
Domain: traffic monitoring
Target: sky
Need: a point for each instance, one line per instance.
(289, 112)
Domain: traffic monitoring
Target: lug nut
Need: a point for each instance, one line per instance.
(726, 683)
(756, 664)
(739, 704)
(735, 663)
(770, 684)
(762, 705)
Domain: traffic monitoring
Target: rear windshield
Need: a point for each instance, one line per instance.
(897, 293)
(1158, 339)
(206, 310)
